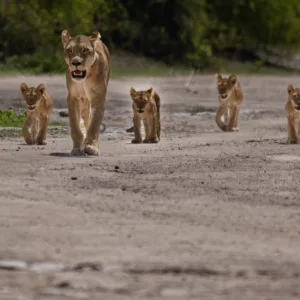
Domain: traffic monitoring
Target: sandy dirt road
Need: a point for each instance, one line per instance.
(203, 214)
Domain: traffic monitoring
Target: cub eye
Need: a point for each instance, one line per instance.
(86, 50)
(69, 50)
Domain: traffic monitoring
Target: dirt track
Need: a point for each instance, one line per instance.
(203, 214)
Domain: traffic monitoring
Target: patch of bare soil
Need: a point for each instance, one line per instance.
(203, 214)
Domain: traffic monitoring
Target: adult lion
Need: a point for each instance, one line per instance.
(87, 79)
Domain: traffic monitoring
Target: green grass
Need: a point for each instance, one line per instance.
(126, 64)
(11, 118)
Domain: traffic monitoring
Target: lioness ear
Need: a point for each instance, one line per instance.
(132, 91)
(65, 36)
(40, 89)
(23, 87)
(95, 36)
(151, 92)
(219, 78)
(290, 89)
(233, 78)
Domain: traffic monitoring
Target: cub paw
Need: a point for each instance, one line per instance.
(235, 129)
(146, 141)
(77, 152)
(292, 142)
(136, 141)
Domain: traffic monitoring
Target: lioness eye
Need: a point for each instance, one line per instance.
(69, 50)
(86, 50)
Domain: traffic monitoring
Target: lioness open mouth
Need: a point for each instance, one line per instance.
(297, 107)
(78, 74)
(31, 107)
(223, 96)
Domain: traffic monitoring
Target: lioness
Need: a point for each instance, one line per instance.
(230, 100)
(292, 109)
(146, 107)
(87, 80)
(39, 109)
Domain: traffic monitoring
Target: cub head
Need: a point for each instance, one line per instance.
(32, 95)
(141, 99)
(294, 96)
(79, 53)
(225, 85)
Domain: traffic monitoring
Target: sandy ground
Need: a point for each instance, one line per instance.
(203, 214)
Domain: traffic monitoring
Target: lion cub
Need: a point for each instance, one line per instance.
(292, 109)
(230, 100)
(39, 109)
(146, 107)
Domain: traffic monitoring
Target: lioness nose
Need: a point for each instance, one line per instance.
(76, 63)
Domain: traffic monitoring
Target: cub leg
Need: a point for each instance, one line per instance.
(236, 117)
(152, 133)
(29, 131)
(41, 136)
(137, 130)
(220, 113)
(157, 125)
(232, 115)
(147, 130)
(292, 133)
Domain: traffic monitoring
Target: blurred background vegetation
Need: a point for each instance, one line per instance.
(199, 34)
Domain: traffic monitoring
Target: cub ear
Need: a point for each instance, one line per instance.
(95, 36)
(233, 78)
(132, 91)
(23, 87)
(151, 92)
(65, 37)
(290, 89)
(219, 78)
(40, 89)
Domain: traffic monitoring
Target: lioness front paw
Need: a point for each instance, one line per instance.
(235, 129)
(145, 141)
(292, 141)
(91, 150)
(153, 141)
(41, 142)
(136, 141)
(77, 152)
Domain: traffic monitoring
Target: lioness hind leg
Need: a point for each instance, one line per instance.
(137, 130)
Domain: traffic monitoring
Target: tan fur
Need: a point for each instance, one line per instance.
(146, 108)
(230, 100)
(292, 109)
(39, 108)
(86, 95)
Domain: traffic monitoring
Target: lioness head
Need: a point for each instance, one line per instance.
(32, 95)
(141, 99)
(79, 52)
(225, 85)
(294, 96)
